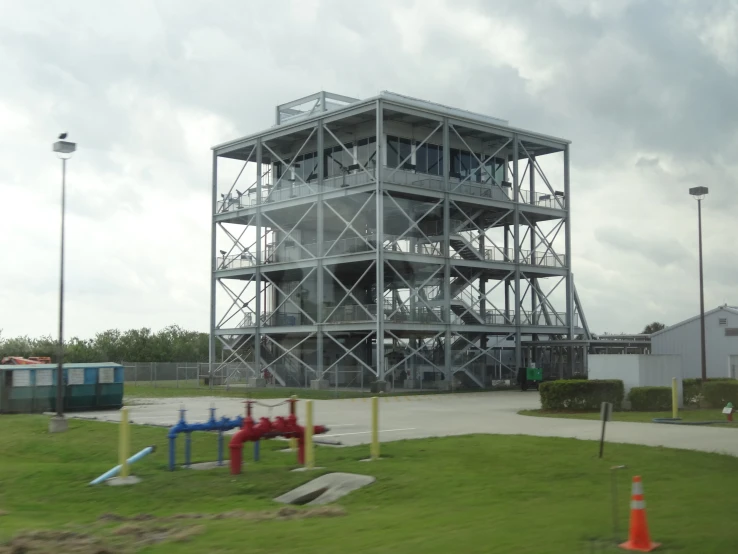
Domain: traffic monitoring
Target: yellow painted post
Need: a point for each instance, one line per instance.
(674, 398)
(375, 428)
(293, 440)
(124, 444)
(309, 453)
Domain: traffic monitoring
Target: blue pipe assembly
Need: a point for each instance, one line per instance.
(116, 470)
(220, 425)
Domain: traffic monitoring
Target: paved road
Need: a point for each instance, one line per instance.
(439, 415)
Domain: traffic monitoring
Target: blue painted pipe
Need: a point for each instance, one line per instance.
(220, 425)
(257, 449)
(116, 470)
(172, 446)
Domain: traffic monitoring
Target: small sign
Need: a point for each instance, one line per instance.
(76, 376)
(606, 411)
(21, 378)
(44, 378)
(105, 375)
(728, 410)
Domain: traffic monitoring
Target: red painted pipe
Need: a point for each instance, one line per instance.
(281, 427)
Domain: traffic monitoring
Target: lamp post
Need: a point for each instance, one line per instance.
(58, 424)
(699, 193)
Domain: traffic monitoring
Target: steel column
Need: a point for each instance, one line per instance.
(448, 354)
(320, 286)
(380, 242)
(569, 281)
(259, 261)
(213, 246)
(516, 245)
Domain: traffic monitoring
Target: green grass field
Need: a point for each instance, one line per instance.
(643, 417)
(463, 494)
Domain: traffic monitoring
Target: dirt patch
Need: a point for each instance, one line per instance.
(141, 530)
(124, 539)
(286, 513)
(43, 542)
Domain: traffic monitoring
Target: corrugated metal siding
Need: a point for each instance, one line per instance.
(685, 341)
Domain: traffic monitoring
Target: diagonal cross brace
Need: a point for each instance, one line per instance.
(349, 292)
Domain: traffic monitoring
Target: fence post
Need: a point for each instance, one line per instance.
(153, 373)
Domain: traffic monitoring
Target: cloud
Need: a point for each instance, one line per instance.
(644, 89)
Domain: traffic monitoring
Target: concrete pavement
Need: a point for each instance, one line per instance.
(416, 417)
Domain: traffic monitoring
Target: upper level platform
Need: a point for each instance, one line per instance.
(297, 116)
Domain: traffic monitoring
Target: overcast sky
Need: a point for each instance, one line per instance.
(645, 90)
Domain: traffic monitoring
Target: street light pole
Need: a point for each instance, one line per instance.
(59, 372)
(699, 193)
(58, 423)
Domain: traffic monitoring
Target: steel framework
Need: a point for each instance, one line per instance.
(391, 238)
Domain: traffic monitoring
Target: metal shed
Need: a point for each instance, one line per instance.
(32, 388)
(721, 343)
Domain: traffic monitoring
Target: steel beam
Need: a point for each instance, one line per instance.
(379, 226)
(448, 360)
(516, 244)
(213, 246)
(567, 239)
(259, 261)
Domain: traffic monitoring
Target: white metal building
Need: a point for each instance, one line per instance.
(721, 340)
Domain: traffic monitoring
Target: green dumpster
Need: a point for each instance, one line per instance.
(534, 374)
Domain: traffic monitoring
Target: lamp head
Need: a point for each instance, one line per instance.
(699, 192)
(64, 148)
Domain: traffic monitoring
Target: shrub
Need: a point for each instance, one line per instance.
(718, 393)
(581, 394)
(650, 399)
(692, 391)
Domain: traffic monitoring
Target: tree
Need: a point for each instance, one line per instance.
(653, 328)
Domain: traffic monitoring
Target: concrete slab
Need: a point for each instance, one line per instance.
(423, 416)
(58, 424)
(325, 489)
(123, 481)
(207, 465)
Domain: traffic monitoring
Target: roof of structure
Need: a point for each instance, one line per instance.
(344, 103)
(725, 308)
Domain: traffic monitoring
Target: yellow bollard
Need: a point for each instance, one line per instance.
(375, 429)
(674, 398)
(293, 440)
(124, 442)
(309, 453)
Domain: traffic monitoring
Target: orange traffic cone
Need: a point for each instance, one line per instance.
(638, 537)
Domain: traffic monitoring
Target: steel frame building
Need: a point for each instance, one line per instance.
(391, 238)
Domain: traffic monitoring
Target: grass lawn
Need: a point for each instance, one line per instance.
(478, 493)
(645, 417)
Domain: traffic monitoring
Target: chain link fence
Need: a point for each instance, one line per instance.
(193, 375)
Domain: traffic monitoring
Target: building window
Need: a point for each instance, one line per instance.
(393, 151)
(731, 332)
(366, 151)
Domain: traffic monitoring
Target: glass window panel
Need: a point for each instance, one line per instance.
(455, 163)
(433, 154)
(393, 151)
(421, 159)
(474, 169)
(464, 164)
(405, 149)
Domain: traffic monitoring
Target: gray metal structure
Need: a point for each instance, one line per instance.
(390, 238)
(721, 343)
